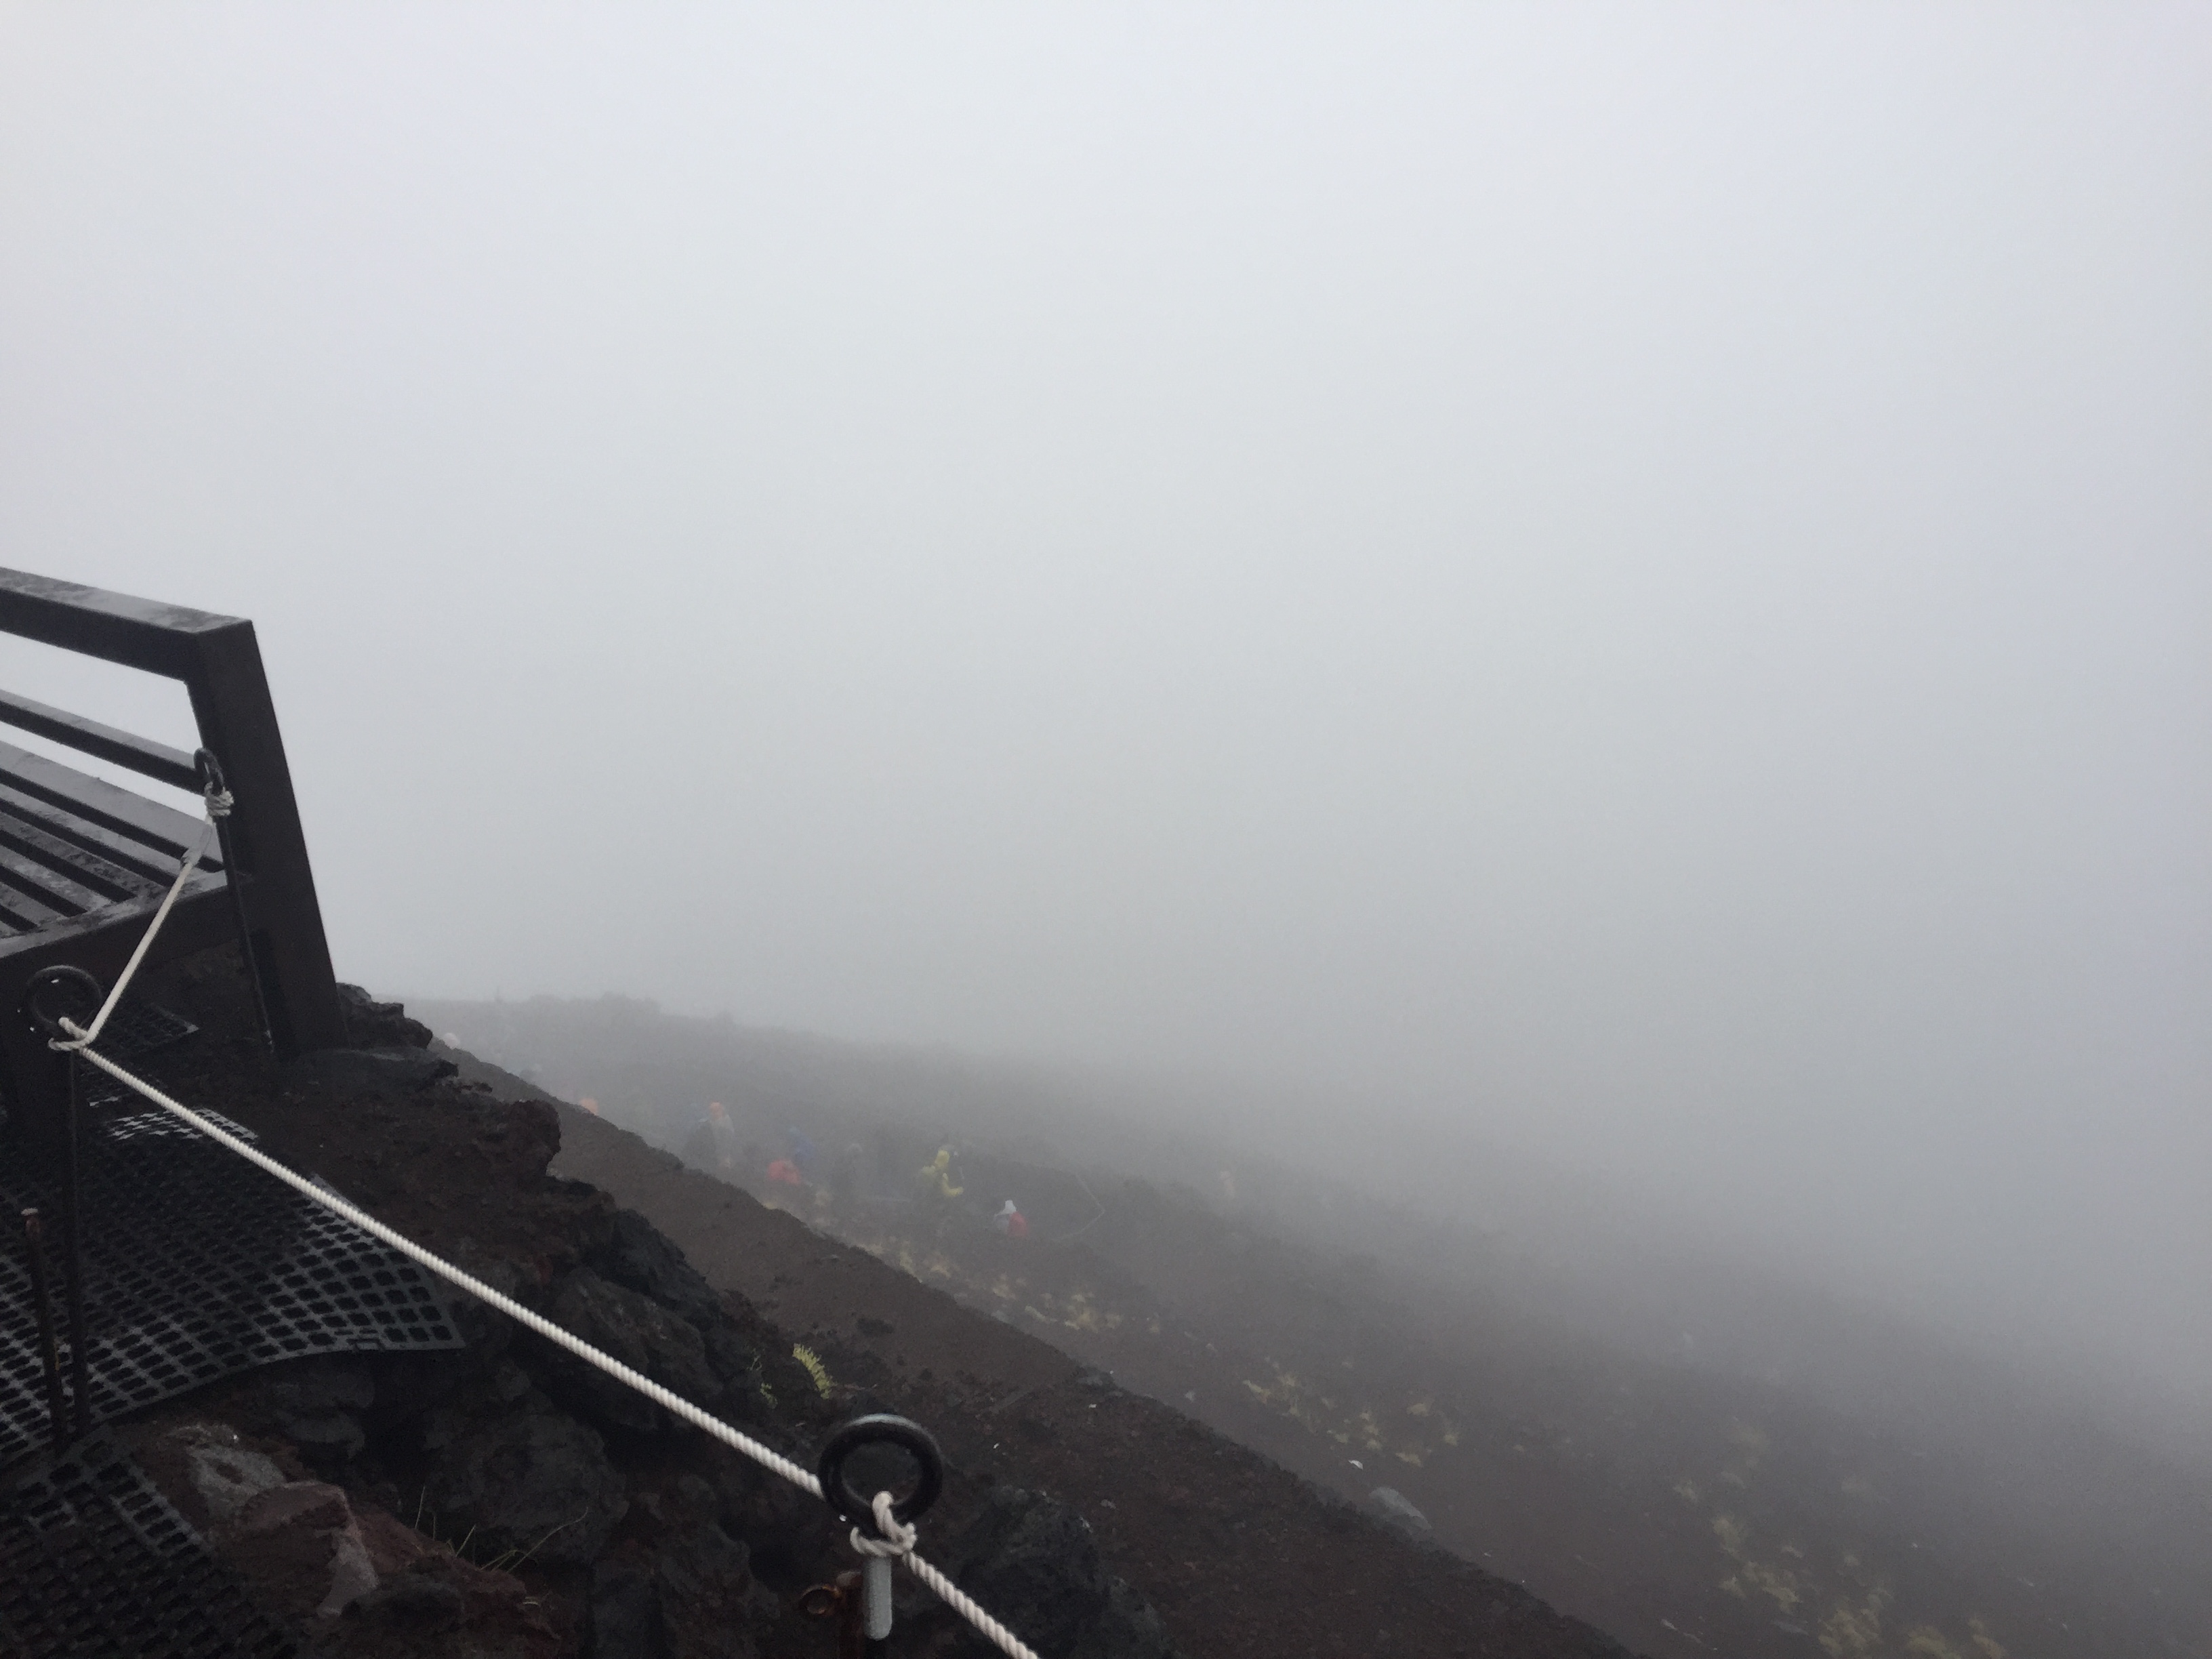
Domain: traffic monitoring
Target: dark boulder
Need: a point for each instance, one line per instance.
(356, 1072)
(318, 1406)
(638, 1257)
(1035, 1564)
(413, 1602)
(630, 1327)
(676, 1583)
(527, 1476)
(373, 1025)
(625, 1613)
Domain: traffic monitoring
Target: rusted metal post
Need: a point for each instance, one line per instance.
(845, 1602)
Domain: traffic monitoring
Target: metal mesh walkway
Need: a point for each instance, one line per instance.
(96, 1565)
(197, 1266)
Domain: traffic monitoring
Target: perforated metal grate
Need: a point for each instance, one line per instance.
(135, 1028)
(198, 1266)
(96, 1565)
(138, 1028)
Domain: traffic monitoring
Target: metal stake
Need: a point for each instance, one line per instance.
(42, 1300)
(73, 1247)
(876, 1596)
(234, 879)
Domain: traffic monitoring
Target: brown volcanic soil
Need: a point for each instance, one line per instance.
(1239, 1555)
(690, 1548)
(1684, 1511)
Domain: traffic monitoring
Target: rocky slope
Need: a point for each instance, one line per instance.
(1812, 1477)
(504, 1499)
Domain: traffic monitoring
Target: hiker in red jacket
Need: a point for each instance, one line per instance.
(1012, 1222)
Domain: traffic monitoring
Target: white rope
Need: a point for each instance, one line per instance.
(474, 1286)
(804, 1479)
(218, 806)
(897, 1544)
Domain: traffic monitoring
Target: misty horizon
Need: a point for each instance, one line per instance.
(1631, 586)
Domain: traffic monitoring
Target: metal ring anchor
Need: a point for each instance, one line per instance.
(880, 1429)
(38, 997)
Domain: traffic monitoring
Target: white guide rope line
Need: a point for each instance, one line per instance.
(901, 1538)
(218, 806)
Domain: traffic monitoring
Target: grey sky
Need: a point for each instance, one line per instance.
(1630, 580)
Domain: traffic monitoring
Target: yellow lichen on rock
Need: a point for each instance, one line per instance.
(1855, 1632)
(1931, 1642)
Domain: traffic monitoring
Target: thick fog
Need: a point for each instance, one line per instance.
(1631, 582)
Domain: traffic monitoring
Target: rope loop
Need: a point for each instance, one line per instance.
(898, 1537)
(213, 786)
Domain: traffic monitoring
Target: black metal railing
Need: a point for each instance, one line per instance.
(218, 660)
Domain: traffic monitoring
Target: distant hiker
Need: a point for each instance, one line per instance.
(936, 1176)
(713, 1143)
(1012, 1222)
(802, 1151)
(784, 1173)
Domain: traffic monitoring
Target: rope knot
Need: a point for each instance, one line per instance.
(898, 1538)
(219, 802)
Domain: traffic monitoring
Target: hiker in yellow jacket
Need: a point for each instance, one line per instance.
(936, 1176)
